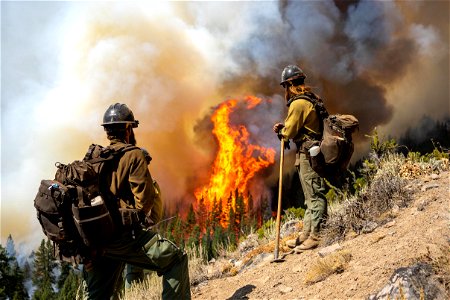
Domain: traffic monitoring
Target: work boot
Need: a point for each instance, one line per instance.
(310, 243)
(297, 241)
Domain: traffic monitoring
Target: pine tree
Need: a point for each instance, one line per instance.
(178, 234)
(221, 215)
(169, 229)
(250, 213)
(240, 213)
(218, 239)
(191, 221)
(202, 214)
(215, 214)
(194, 237)
(10, 248)
(43, 277)
(65, 272)
(11, 283)
(207, 244)
(231, 229)
(19, 288)
(70, 287)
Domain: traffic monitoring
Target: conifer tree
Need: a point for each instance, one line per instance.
(43, 276)
(19, 291)
(231, 229)
(194, 237)
(70, 287)
(239, 213)
(215, 214)
(202, 214)
(10, 247)
(191, 221)
(178, 234)
(250, 213)
(207, 244)
(169, 229)
(11, 283)
(221, 215)
(218, 239)
(65, 272)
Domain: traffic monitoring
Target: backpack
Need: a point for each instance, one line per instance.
(73, 210)
(336, 144)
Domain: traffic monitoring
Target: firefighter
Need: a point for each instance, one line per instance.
(135, 274)
(301, 125)
(131, 184)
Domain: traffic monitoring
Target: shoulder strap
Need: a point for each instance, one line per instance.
(319, 106)
(109, 153)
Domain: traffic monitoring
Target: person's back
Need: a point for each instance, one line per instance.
(130, 184)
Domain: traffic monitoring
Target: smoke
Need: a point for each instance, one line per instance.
(64, 63)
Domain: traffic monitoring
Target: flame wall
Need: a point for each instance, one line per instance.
(64, 63)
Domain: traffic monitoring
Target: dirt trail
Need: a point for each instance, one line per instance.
(418, 231)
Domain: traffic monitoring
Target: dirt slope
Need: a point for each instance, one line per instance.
(419, 232)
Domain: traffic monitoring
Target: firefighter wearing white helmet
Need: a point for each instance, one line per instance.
(302, 124)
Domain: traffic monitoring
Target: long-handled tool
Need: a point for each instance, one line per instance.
(280, 193)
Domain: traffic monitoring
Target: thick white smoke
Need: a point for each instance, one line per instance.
(64, 63)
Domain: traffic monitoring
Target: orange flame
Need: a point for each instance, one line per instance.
(236, 162)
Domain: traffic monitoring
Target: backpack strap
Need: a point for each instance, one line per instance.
(109, 153)
(319, 108)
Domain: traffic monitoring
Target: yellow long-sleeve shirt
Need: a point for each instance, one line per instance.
(301, 119)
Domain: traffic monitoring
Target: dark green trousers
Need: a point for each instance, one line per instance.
(314, 190)
(147, 250)
(133, 274)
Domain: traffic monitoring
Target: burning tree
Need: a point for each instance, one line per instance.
(236, 163)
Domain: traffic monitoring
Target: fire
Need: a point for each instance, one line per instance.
(237, 160)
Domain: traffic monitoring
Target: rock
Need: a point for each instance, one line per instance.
(395, 209)
(369, 226)
(290, 227)
(256, 260)
(421, 205)
(250, 243)
(389, 224)
(284, 289)
(330, 249)
(434, 176)
(427, 187)
(410, 283)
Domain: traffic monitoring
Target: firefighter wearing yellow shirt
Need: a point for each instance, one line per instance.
(301, 125)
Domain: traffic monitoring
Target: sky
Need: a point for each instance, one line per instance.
(64, 62)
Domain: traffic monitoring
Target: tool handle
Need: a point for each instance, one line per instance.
(280, 194)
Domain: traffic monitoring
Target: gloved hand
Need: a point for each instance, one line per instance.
(287, 145)
(277, 127)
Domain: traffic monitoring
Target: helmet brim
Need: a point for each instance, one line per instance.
(133, 124)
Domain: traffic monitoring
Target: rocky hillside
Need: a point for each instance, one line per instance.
(405, 257)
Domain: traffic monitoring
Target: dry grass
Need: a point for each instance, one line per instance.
(197, 268)
(323, 267)
(372, 205)
(150, 288)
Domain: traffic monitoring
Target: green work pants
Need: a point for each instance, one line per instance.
(133, 274)
(314, 190)
(144, 249)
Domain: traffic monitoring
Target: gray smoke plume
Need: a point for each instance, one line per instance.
(64, 63)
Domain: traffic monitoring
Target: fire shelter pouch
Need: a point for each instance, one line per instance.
(162, 252)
